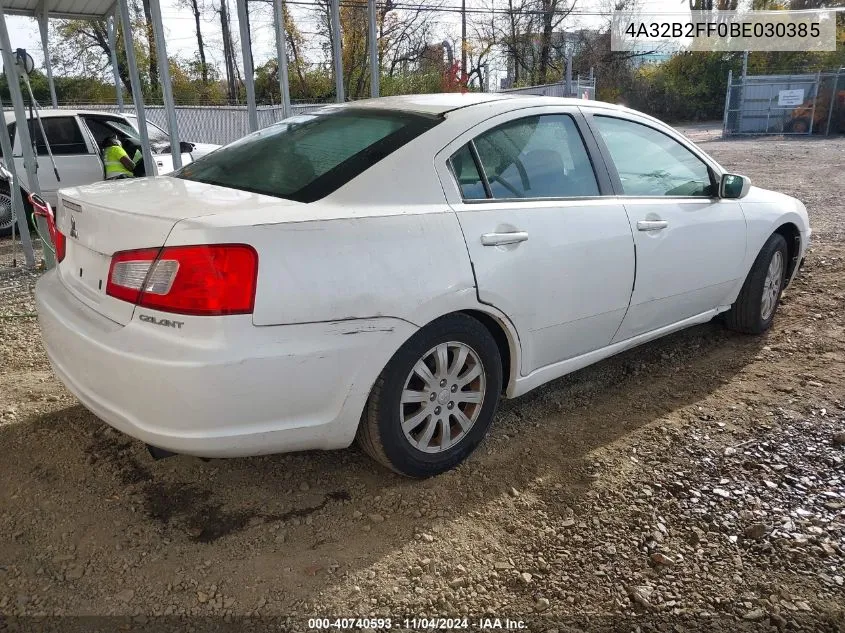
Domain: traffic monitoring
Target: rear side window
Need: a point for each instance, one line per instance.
(63, 134)
(466, 172)
(650, 163)
(307, 157)
(537, 157)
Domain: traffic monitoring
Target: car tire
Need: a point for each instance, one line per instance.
(422, 426)
(7, 217)
(755, 307)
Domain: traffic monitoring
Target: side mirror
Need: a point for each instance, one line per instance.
(734, 186)
(185, 147)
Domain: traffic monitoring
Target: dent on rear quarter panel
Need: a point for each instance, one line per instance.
(353, 268)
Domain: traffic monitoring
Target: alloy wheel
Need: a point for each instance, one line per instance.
(7, 213)
(771, 286)
(442, 397)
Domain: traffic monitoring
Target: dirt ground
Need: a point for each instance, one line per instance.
(697, 482)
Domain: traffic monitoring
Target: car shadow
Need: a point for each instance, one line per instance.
(296, 519)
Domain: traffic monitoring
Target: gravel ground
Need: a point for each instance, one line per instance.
(695, 483)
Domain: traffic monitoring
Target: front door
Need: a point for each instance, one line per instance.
(548, 249)
(690, 243)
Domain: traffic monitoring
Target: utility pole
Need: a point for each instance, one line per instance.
(337, 55)
(463, 40)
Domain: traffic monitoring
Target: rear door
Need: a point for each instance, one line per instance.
(690, 243)
(548, 247)
(76, 158)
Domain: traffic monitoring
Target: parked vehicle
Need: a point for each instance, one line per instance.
(386, 269)
(76, 139)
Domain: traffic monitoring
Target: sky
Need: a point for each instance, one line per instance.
(181, 38)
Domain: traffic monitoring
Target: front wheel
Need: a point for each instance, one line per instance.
(433, 403)
(754, 309)
(7, 212)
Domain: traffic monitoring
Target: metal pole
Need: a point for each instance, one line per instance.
(249, 71)
(282, 56)
(118, 85)
(29, 161)
(135, 82)
(166, 85)
(568, 74)
(832, 103)
(742, 90)
(18, 207)
(48, 66)
(337, 58)
(463, 41)
(815, 99)
(375, 70)
(727, 104)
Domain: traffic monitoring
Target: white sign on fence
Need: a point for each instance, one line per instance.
(791, 97)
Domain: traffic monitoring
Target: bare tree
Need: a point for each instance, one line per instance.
(404, 34)
(403, 37)
(229, 60)
(152, 58)
(197, 8)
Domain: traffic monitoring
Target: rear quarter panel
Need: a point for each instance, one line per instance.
(410, 265)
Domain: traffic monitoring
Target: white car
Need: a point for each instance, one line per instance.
(387, 269)
(76, 139)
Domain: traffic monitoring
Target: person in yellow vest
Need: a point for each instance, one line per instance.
(117, 161)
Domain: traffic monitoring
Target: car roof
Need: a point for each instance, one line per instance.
(442, 103)
(51, 112)
(45, 113)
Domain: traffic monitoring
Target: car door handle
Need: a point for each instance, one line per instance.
(500, 239)
(651, 225)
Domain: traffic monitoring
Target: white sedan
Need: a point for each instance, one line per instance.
(385, 270)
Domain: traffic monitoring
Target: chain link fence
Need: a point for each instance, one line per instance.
(811, 103)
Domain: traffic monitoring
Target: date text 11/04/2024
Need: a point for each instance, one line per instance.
(423, 624)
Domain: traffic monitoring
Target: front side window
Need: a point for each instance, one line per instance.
(650, 163)
(305, 158)
(537, 157)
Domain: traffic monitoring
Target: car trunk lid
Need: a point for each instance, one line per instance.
(102, 219)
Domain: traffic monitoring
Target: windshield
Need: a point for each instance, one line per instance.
(156, 134)
(305, 158)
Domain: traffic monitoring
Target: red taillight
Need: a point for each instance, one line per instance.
(214, 279)
(60, 246)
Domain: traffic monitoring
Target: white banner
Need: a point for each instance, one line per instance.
(652, 32)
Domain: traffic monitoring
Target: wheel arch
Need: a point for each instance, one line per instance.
(506, 341)
(792, 234)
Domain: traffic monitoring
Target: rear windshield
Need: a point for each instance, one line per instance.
(305, 158)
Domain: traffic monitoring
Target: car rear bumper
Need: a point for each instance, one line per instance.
(240, 390)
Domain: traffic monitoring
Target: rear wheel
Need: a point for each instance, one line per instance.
(435, 400)
(754, 309)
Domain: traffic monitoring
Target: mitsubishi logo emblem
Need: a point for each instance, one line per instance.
(73, 232)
